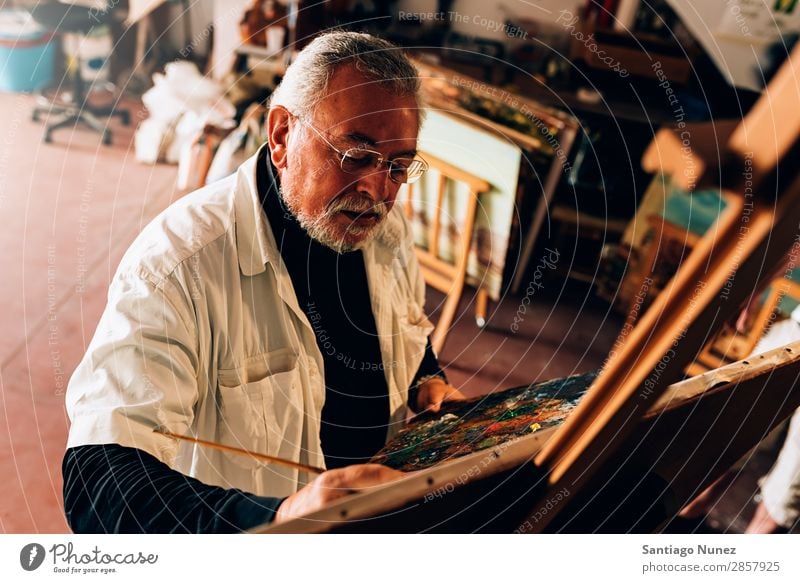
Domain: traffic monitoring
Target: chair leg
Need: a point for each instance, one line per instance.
(110, 111)
(73, 118)
(39, 112)
(90, 120)
(481, 307)
(46, 108)
(67, 121)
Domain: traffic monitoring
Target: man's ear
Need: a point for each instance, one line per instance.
(278, 135)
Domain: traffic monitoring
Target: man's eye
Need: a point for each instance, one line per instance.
(402, 163)
(357, 161)
(359, 155)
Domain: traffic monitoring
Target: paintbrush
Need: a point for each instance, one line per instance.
(259, 456)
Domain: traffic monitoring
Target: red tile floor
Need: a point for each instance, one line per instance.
(68, 210)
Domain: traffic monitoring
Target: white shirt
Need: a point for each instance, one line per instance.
(203, 336)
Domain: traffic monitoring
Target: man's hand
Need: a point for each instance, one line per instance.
(332, 485)
(433, 392)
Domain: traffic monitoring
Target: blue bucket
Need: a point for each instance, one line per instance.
(26, 52)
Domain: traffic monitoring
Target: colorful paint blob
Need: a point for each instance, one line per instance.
(464, 427)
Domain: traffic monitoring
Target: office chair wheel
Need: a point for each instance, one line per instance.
(106, 138)
(125, 118)
(48, 139)
(35, 115)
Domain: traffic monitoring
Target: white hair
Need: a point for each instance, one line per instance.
(306, 79)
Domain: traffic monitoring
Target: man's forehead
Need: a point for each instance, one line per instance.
(356, 105)
(360, 115)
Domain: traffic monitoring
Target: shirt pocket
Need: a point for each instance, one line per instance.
(413, 323)
(407, 310)
(415, 316)
(257, 414)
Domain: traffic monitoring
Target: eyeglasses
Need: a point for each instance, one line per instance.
(402, 170)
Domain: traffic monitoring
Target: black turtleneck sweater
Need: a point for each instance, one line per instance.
(111, 488)
(332, 290)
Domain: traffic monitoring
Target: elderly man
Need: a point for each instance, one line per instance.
(278, 311)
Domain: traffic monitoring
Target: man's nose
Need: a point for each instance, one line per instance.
(377, 185)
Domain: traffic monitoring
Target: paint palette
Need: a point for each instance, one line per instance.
(464, 427)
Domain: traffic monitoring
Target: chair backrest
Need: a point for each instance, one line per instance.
(446, 276)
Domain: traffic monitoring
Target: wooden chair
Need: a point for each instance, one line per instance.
(669, 244)
(729, 345)
(448, 277)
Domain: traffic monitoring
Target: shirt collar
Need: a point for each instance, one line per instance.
(255, 242)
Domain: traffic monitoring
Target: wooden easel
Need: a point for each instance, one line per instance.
(753, 235)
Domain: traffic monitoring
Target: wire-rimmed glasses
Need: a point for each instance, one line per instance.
(402, 170)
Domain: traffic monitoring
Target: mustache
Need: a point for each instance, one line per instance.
(357, 204)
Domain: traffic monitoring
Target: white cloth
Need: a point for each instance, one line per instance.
(203, 336)
(780, 488)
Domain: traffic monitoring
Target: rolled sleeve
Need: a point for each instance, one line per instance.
(139, 372)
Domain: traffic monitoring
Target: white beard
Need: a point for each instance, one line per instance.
(322, 229)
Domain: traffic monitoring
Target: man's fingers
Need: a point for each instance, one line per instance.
(335, 484)
(435, 403)
(352, 478)
(454, 395)
(373, 474)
